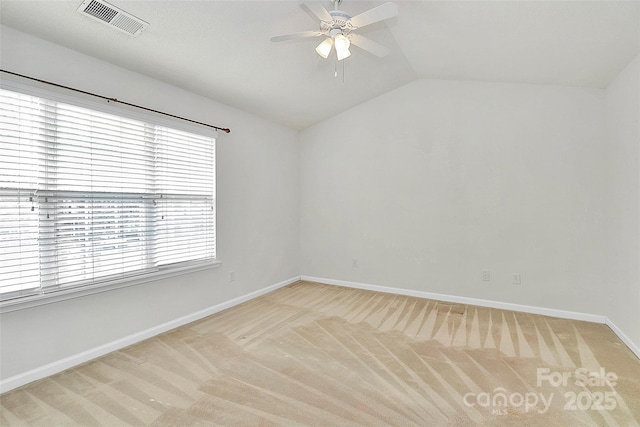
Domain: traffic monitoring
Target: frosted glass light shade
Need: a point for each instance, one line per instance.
(342, 47)
(342, 54)
(342, 42)
(324, 48)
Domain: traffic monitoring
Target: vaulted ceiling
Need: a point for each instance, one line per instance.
(221, 49)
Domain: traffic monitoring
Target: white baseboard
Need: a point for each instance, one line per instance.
(625, 339)
(564, 314)
(77, 359)
(464, 300)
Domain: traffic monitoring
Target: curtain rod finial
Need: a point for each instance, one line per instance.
(226, 130)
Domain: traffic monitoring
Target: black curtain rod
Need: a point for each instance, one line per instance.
(227, 130)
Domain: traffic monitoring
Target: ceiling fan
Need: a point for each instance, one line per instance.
(340, 30)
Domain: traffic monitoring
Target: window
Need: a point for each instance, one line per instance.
(88, 198)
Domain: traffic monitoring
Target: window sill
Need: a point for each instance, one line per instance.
(71, 293)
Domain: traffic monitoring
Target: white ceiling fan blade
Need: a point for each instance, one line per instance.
(319, 11)
(369, 45)
(294, 36)
(377, 14)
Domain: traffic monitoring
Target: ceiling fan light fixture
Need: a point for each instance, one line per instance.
(342, 46)
(342, 42)
(324, 48)
(342, 54)
(339, 27)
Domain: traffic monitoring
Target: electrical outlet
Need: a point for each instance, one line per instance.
(515, 279)
(486, 275)
(354, 263)
(232, 276)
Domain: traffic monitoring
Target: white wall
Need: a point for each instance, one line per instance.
(430, 184)
(258, 233)
(623, 201)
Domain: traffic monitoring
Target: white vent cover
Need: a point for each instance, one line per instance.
(112, 16)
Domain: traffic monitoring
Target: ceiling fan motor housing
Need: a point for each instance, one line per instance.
(340, 21)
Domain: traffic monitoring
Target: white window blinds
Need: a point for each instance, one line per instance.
(88, 197)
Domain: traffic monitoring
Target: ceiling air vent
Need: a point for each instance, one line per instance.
(112, 16)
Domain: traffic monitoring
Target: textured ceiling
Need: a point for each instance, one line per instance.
(221, 49)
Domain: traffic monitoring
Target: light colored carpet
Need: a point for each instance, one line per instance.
(312, 354)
